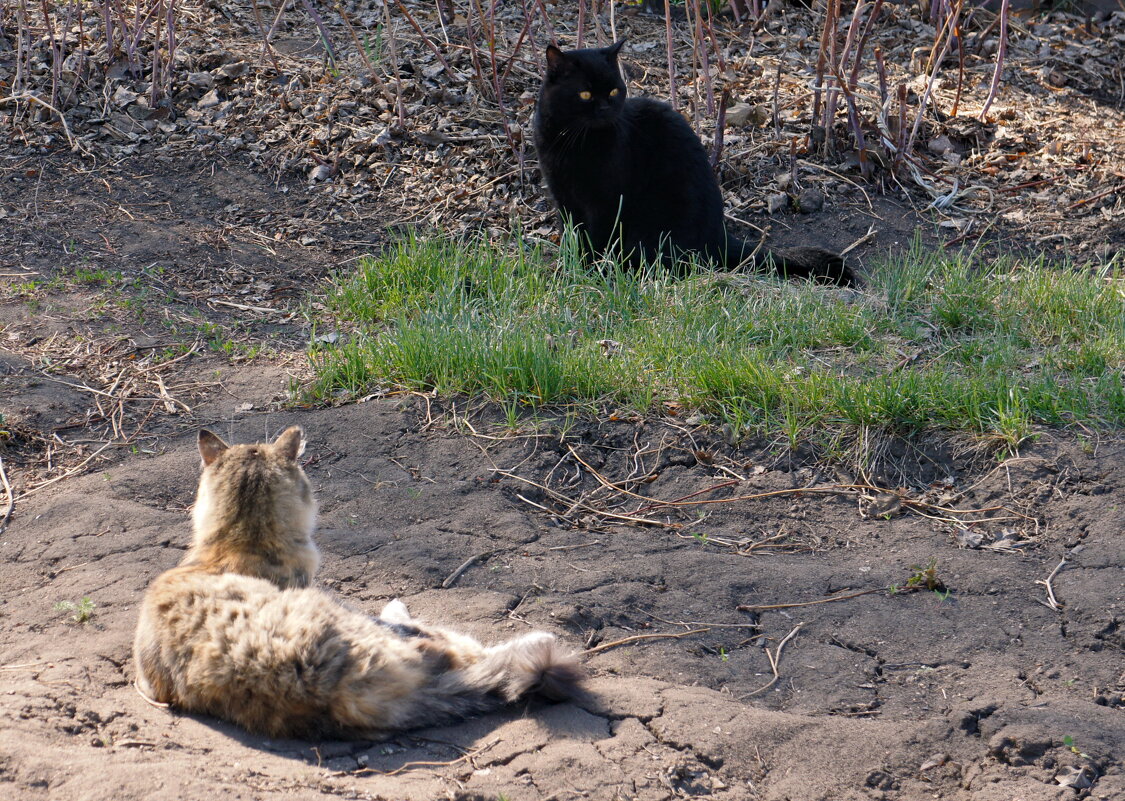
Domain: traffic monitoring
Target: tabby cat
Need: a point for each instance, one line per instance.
(236, 632)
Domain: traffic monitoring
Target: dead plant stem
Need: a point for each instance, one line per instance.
(605, 646)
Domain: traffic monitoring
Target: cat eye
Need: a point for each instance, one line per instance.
(585, 95)
(614, 92)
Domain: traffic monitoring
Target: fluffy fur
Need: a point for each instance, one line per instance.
(235, 632)
(633, 177)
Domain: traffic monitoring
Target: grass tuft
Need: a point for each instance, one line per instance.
(938, 341)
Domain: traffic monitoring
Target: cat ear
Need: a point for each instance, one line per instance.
(210, 446)
(615, 48)
(291, 443)
(557, 62)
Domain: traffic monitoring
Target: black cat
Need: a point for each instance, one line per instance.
(634, 178)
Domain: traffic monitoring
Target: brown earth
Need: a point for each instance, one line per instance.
(975, 689)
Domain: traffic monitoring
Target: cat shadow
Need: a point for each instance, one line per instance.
(497, 736)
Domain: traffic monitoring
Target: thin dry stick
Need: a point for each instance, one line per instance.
(1052, 602)
(71, 472)
(23, 665)
(46, 105)
(712, 488)
(266, 49)
(428, 42)
(580, 505)
(360, 49)
(762, 607)
(533, 503)
(11, 497)
(1000, 53)
(92, 390)
(412, 765)
(837, 489)
(775, 659)
(329, 50)
(472, 560)
(947, 32)
(671, 57)
(605, 646)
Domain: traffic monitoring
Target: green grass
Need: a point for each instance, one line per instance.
(80, 612)
(936, 341)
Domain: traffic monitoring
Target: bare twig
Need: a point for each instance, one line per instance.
(775, 659)
(325, 40)
(71, 472)
(1000, 52)
(1052, 602)
(468, 755)
(426, 40)
(671, 57)
(23, 665)
(11, 497)
(764, 607)
(605, 646)
(33, 99)
(580, 505)
(472, 560)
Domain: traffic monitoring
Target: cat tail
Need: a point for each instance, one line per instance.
(534, 663)
(811, 263)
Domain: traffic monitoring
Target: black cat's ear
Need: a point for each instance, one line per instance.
(557, 62)
(615, 48)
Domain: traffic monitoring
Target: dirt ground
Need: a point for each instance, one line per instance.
(974, 689)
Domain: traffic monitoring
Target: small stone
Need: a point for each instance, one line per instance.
(810, 200)
(880, 780)
(970, 540)
(321, 172)
(742, 114)
(1076, 778)
(777, 203)
(610, 347)
(209, 100)
(936, 761)
(124, 96)
(200, 80)
(738, 115)
(234, 69)
(940, 145)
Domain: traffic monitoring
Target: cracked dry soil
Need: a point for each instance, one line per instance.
(883, 696)
(984, 694)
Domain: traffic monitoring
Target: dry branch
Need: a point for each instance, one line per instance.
(597, 649)
(775, 660)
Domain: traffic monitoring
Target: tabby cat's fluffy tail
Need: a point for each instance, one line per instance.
(533, 663)
(813, 263)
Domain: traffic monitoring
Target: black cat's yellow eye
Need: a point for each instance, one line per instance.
(614, 92)
(585, 95)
